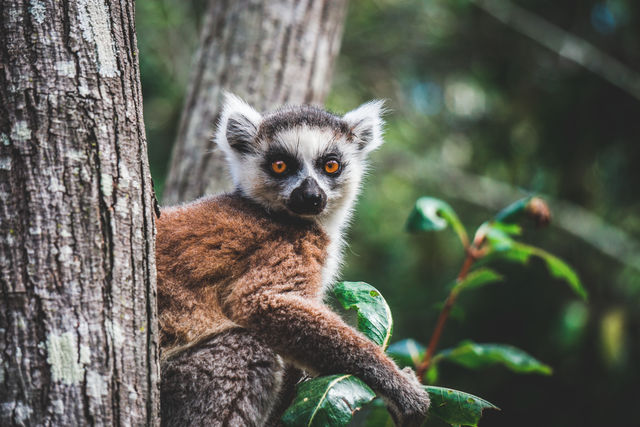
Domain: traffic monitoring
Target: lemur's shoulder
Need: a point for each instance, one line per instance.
(231, 221)
(220, 211)
(205, 247)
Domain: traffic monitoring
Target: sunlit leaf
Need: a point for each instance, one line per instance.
(517, 253)
(431, 214)
(432, 374)
(477, 278)
(501, 245)
(497, 239)
(374, 315)
(512, 229)
(327, 401)
(561, 270)
(407, 352)
(457, 407)
(558, 268)
(473, 356)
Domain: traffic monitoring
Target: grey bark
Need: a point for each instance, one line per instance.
(269, 52)
(77, 302)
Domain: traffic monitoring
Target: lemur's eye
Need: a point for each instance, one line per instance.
(331, 166)
(278, 166)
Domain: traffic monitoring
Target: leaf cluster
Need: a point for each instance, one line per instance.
(333, 400)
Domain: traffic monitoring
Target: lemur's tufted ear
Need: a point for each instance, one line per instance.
(238, 126)
(366, 124)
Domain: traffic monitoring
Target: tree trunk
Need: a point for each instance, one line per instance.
(77, 308)
(269, 52)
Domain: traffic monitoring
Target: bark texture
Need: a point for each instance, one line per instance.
(77, 303)
(269, 52)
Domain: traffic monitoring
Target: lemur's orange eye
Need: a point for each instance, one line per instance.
(278, 166)
(331, 166)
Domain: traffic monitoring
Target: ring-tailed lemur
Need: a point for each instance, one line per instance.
(241, 276)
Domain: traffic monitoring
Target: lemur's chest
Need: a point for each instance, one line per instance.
(332, 263)
(212, 248)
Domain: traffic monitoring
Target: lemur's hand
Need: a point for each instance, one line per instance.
(408, 406)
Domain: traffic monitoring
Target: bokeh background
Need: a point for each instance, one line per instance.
(483, 110)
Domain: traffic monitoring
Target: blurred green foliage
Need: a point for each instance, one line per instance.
(468, 92)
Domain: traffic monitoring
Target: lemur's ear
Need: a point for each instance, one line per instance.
(366, 124)
(238, 125)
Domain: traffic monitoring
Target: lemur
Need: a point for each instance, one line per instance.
(241, 276)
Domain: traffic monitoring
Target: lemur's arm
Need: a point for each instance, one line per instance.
(317, 339)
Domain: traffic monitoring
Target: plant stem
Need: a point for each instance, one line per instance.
(444, 314)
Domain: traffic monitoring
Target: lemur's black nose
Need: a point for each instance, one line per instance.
(308, 198)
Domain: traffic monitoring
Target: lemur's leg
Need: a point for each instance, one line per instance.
(233, 379)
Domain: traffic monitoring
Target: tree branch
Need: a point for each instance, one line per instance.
(564, 44)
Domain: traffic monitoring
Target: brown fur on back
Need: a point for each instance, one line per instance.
(204, 246)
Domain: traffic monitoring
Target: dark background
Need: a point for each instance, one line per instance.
(471, 94)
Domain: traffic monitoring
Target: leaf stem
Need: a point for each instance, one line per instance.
(435, 337)
(473, 254)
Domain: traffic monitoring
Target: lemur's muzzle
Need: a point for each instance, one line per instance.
(308, 198)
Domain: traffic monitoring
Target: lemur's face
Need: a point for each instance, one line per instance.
(302, 160)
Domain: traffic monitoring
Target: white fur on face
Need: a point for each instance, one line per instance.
(247, 155)
(234, 107)
(367, 124)
(307, 145)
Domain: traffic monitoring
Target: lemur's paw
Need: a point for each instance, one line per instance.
(410, 406)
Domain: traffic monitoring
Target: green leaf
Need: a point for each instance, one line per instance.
(427, 215)
(430, 214)
(411, 353)
(376, 415)
(374, 315)
(477, 278)
(474, 356)
(512, 229)
(561, 270)
(452, 406)
(457, 407)
(512, 212)
(497, 239)
(327, 401)
(332, 400)
(407, 352)
(431, 376)
(503, 246)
